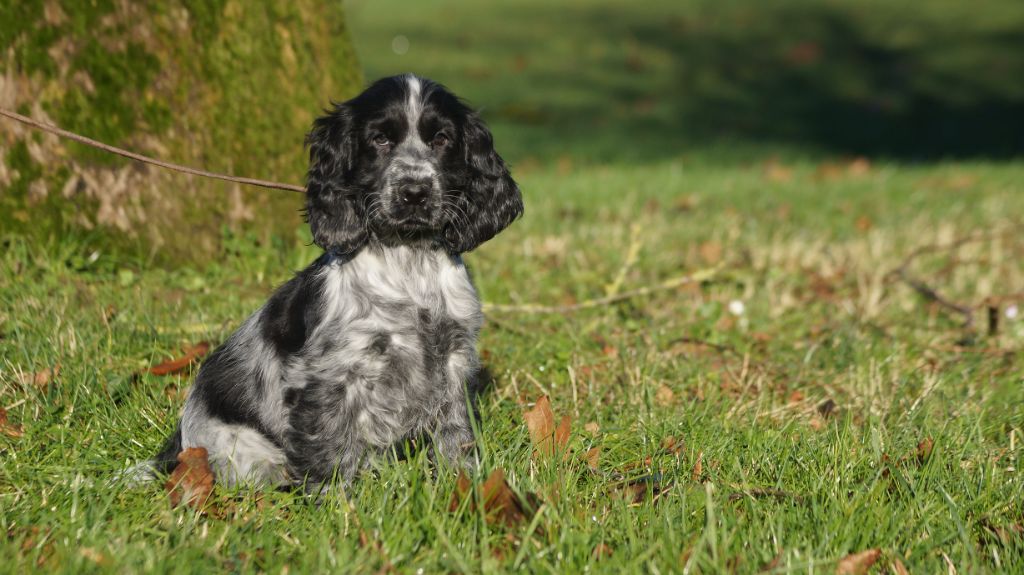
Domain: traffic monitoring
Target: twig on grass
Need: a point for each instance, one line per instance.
(930, 293)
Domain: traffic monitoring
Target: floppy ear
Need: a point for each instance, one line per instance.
(491, 200)
(333, 210)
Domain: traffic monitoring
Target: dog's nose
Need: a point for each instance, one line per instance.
(415, 194)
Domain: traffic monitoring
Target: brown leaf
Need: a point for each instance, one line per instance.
(672, 445)
(601, 551)
(192, 479)
(776, 172)
(664, 396)
(182, 363)
(858, 563)
(594, 458)
(864, 223)
(592, 428)
(41, 379)
(97, 557)
(924, 449)
(698, 468)
(858, 166)
(816, 423)
(7, 428)
(546, 438)
(540, 421)
(463, 489)
(501, 504)
(710, 251)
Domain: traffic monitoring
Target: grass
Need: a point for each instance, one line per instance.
(803, 239)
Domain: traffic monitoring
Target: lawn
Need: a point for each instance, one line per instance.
(813, 395)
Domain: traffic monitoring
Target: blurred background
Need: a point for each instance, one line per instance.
(233, 86)
(609, 80)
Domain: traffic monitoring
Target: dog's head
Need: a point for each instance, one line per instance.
(406, 161)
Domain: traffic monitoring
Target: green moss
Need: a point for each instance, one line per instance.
(113, 110)
(236, 94)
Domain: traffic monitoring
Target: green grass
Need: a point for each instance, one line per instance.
(803, 240)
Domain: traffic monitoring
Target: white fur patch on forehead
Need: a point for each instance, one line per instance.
(414, 103)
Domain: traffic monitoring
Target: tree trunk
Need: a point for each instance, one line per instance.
(224, 85)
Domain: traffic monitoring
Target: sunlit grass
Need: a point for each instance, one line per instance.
(742, 386)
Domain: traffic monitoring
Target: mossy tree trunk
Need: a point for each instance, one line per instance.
(224, 85)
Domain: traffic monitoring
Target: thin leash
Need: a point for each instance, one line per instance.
(146, 159)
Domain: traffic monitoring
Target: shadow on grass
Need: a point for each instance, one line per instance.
(645, 82)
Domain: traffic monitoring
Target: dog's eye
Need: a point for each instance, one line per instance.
(440, 140)
(381, 141)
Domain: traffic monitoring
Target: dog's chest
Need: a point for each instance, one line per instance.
(400, 340)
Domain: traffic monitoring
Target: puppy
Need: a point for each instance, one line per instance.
(375, 342)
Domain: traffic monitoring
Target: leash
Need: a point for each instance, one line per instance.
(146, 159)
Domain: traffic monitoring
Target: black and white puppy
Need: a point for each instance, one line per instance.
(375, 342)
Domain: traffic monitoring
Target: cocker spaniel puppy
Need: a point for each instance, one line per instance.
(375, 342)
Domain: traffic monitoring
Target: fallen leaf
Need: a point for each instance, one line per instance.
(501, 504)
(462, 490)
(592, 428)
(710, 252)
(858, 166)
(664, 396)
(924, 449)
(698, 468)
(776, 172)
(192, 479)
(672, 445)
(803, 54)
(95, 556)
(864, 223)
(594, 457)
(858, 563)
(182, 363)
(601, 551)
(7, 428)
(540, 421)
(41, 379)
(685, 203)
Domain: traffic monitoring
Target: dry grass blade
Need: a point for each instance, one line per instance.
(192, 480)
(898, 567)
